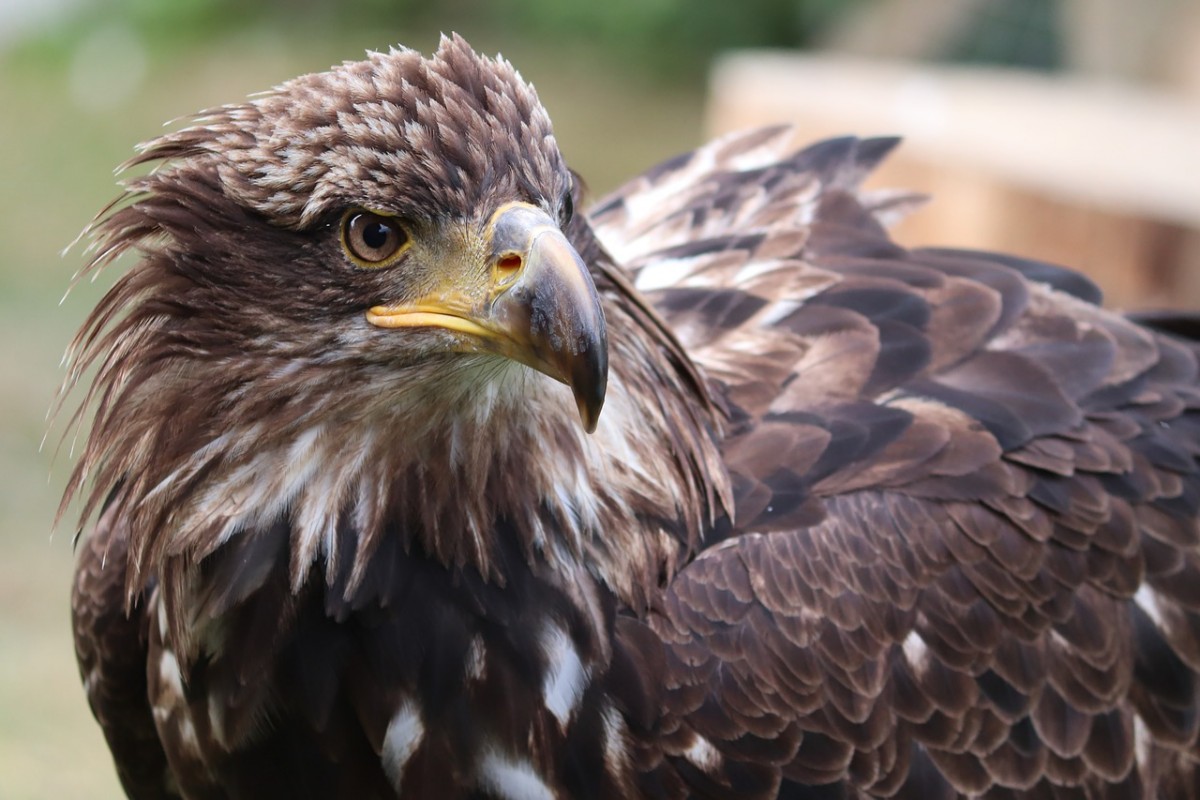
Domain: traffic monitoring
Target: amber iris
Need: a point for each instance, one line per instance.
(373, 238)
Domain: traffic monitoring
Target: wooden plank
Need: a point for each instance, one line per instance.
(1110, 147)
(1103, 180)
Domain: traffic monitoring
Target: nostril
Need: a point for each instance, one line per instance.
(509, 262)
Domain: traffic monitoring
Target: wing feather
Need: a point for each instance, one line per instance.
(963, 558)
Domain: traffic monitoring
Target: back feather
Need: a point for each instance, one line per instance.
(964, 555)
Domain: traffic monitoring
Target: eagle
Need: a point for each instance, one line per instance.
(404, 479)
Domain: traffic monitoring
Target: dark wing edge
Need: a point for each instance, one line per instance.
(1182, 324)
(111, 647)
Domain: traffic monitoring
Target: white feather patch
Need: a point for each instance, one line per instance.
(566, 676)
(1143, 742)
(403, 737)
(777, 311)
(916, 652)
(666, 273)
(1148, 600)
(512, 780)
(168, 672)
(703, 754)
(616, 741)
(187, 737)
(476, 659)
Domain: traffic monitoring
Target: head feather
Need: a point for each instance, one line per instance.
(395, 132)
(238, 383)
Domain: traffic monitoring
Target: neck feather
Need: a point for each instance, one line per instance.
(447, 459)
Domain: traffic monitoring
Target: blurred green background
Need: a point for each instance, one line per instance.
(82, 81)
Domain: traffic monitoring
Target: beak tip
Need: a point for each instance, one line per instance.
(589, 399)
(589, 415)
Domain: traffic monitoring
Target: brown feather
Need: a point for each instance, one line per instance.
(856, 520)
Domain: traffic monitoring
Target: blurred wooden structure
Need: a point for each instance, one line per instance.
(1099, 176)
(1156, 41)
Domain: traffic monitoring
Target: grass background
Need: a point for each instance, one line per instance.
(70, 111)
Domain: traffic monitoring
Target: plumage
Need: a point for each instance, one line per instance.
(855, 520)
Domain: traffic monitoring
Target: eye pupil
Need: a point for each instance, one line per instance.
(372, 239)
(375, 235)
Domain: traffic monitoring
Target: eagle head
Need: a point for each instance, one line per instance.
(429, 192)
(356, 297)
(398, 193)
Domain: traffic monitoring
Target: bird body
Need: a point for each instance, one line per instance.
(410, 482)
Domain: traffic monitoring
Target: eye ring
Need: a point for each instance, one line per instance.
(373, 240)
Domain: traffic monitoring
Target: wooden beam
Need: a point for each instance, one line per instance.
(1098, 177)
(1113, 147)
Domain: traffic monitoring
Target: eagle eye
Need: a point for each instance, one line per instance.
(373, 240)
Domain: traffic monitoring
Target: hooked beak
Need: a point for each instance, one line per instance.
(540, 307)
